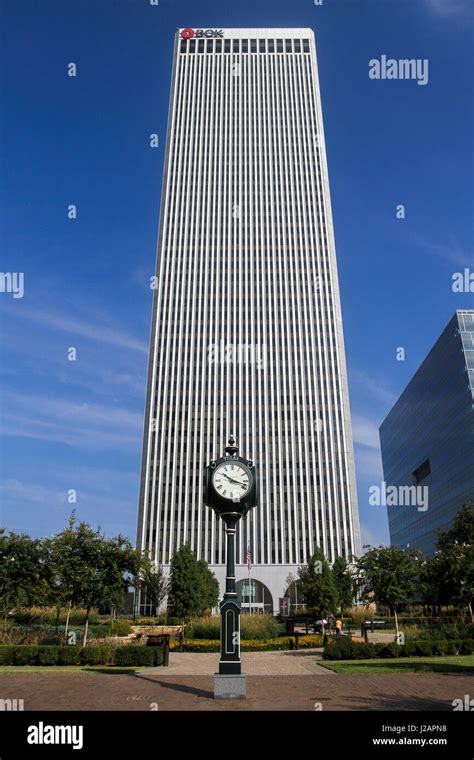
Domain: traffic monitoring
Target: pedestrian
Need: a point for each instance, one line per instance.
(330, 622)
(338, 627)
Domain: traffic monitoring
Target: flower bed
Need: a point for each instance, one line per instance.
(248, 645)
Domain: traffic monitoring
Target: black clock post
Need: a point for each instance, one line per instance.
(230, 490)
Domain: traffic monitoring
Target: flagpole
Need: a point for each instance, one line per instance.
(250, 589)
(249, 566)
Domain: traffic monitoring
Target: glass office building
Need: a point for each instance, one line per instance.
(247, 329)
(427, 439)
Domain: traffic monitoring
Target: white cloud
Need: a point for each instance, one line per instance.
(373, 386)
(365, 432)
(80, 425)
(36, 494)
(98, 330)
(449, 7)
(368, 464)
(450, 251)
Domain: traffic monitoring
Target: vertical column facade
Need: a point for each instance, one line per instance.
(247, 328)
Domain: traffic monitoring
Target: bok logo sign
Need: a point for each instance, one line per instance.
(189, 33)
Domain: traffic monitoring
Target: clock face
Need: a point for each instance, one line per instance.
(231, 480)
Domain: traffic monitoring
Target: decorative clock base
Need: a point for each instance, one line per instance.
(229, 687)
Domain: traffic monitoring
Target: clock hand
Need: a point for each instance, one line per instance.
(239, 482)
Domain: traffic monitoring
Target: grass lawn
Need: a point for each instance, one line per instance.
(451, 664)
(70, 669)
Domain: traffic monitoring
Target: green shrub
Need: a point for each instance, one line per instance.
(135, 655)
(438, 631)
(173, 621)
(438, 648)
(96, 655)
(69, 655)
(340, 648)
(452, 647)
(7, 654)
(422, 648)
(467, 647)
(418, 649)
(120, 627)
(388, 650)
(25, 654)
(365, 651)
(47, 655)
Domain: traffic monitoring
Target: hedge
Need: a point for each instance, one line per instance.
(138, 655)
(343, 648)
(33, 654)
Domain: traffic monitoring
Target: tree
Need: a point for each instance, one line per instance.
(344, 583)
(431, 581)
(151, 581)
(452, 567)
(121, 563)
(23, 573)
(317, 585)
(185, 597)
(90, 569)
(462, 529)
(388, 576)
(209, 587)
(59, 549)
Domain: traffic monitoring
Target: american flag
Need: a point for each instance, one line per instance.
(249, 558)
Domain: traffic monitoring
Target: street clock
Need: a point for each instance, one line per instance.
(230, 490)
(231, 483)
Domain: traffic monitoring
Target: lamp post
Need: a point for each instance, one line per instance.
(230, 490)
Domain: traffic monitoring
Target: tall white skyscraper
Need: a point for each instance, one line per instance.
(247, 329)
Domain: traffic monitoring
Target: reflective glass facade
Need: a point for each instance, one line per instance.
(427, 439)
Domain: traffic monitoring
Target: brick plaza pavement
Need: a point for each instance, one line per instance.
(276, 681)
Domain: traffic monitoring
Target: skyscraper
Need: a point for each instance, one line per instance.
(247, 329)
(427, 439)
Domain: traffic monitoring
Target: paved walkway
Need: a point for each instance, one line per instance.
(275, 681)
(150, 691)
(279, 663)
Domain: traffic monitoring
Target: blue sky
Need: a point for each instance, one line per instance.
(85, 141)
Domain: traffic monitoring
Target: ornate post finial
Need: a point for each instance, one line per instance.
(232, 447)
